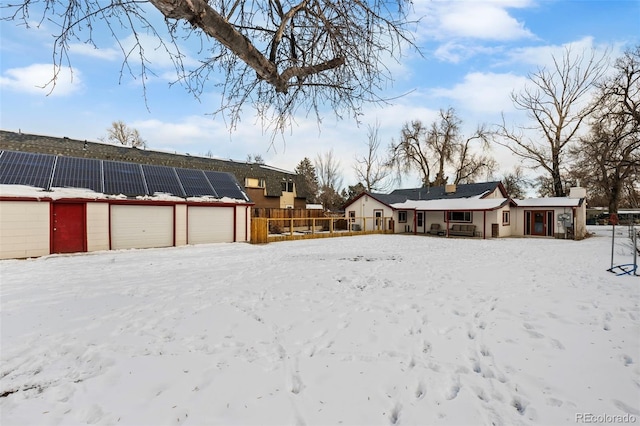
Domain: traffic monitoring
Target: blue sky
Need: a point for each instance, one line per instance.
(475, 53)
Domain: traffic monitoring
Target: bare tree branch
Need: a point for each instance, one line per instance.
(279, 56)
(371, 169)
(441, 147)
(553, 102)
(608, 158)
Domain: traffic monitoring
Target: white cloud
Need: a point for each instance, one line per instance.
(108, 54)
(156, 52)
(484, 92)
(37, 79)
(482, 20)
(456, 52)
(542, 56)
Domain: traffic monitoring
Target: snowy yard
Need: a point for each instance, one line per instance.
(367, 330)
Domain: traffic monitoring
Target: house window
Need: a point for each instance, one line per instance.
(254, 182)
(458, 217)
(287, 186)
(352, 216)
(402, 216)
(506, 216)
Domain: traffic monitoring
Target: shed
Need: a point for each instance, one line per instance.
(55, 204)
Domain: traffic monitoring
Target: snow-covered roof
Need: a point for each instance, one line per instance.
(549, 202)
(474, 203)
(25, 191)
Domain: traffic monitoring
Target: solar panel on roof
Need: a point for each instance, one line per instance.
(225, 185)
(73, 172)
(195, 183)
(162, 179)
(25, 168)
(123, 178)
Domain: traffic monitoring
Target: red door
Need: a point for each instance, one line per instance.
(68, 232)
(538, 223)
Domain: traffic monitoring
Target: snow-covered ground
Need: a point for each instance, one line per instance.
(366, 330)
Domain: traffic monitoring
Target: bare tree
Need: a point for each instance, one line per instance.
(371, 169)
(441, 147)
(278, 55)
(553, 101)
(330, 180)
(544, 186)
(609, 156)
(516, 183)
(469, 164)
(120, 133)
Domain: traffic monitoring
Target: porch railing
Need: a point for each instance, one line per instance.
(264, 230)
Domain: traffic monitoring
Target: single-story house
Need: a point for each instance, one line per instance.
(474, 210)
(57, 204)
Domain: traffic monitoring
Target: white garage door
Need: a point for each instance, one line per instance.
(141, 226)
(210, 225)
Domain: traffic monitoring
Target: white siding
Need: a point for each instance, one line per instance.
(210, 224)
(365, 207)
(406, 226)
(505, 229)
(24, 229)
(496, 193)
(181, 224)
(97, 226)
(242, 226)
(518, 218)
(141, 226)
(492, 216)
(435, 217)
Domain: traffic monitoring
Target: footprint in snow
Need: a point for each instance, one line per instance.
(482, 396)
(420, 391)
(519, 405)
(484, 351)
(626, 408)
(557, 344)
(394, 416)
(475, 366)
(453, 392)
(296, 385)
(626, 360)
(310, 351)
(554, 402)
(532, 332)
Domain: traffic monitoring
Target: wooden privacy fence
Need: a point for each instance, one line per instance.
(264, 230)
(286, 213)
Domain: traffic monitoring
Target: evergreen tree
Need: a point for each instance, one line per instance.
(307, 180)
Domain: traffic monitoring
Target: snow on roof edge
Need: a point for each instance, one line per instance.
(25, 191)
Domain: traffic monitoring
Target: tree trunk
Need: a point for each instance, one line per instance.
(614, 195)
(555, 175)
